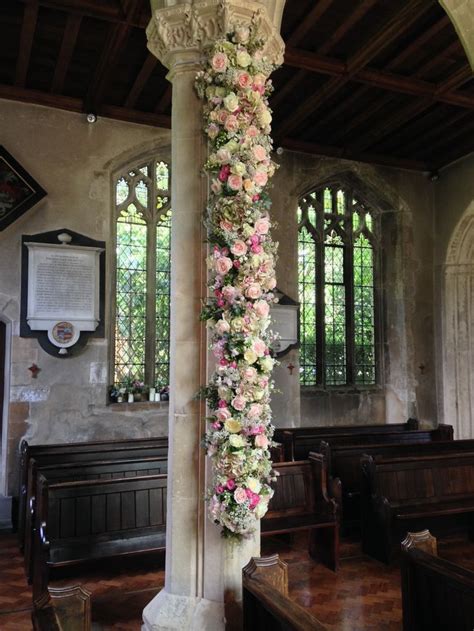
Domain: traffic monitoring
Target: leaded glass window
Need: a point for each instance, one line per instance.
(142, 300)
(337, 255)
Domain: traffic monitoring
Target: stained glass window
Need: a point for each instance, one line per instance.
(336, 276)
(142, 301)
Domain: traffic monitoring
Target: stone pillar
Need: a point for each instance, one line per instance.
(201, 568)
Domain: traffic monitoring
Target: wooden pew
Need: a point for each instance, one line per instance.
(266, 605)
(93, 520)
(94, 470)
(298, 444)
(76, 452)
(344, 463)
(436, 594)
(62, 609)
(301, 502)
(400, 493)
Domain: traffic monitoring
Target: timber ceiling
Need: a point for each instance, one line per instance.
(382, 81)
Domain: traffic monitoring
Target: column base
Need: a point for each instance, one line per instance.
(169, 612)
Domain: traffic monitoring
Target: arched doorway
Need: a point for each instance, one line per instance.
(458, 330)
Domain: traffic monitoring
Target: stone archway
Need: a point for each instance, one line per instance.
(458, 330)
(462, 16)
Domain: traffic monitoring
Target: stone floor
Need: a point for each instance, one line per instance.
(363, 595)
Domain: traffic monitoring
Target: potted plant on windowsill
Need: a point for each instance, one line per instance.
(139, 390)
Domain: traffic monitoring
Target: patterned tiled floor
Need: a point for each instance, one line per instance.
(363, 596)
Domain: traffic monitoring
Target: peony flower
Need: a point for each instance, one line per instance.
(231, 102)
(252, 131)
(253, 291)
(222, 265)
(231, 124)
(220, 62)
(239, 248)
(240, 496)
(260, 178)
(232, 425)
(234, 182)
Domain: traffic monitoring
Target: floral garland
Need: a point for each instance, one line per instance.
(234, 86)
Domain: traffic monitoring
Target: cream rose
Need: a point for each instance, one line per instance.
(250, 356)
(267, 363)
(222, 326)
(261, 308)
(237, 441)
(223, 156)
(250, 374)
(231, 102)
(240, 496)
(253, 291)
(233, 426)
(243, 59)
(237, 324)
(254, 485)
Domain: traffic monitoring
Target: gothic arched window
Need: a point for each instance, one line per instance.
(337, 267)
(142, 289)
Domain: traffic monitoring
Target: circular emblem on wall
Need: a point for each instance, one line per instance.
(63, 334)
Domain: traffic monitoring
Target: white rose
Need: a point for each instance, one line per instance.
(243, 58)
(231, 102)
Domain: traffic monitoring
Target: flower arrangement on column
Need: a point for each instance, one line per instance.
(234, 86)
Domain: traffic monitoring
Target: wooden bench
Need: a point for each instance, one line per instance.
(93, 520)
(62, 609)
(266, 605)
(344, 463)
(297, 445)
(399, 494)
(436, 594)
(94, 470)
(76, 452)
(301, 502)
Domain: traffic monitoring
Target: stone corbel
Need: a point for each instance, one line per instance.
(190, 27)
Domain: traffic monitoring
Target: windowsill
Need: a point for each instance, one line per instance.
(139, 406)
(375, 389)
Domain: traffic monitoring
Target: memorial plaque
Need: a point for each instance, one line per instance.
(63, 297)
(285, 322)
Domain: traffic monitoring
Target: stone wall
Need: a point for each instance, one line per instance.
(73, 160)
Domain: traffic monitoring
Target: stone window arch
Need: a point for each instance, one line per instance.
(338, 286)
(142, 234)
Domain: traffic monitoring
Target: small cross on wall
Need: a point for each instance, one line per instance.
(290, 368)
(34, 369)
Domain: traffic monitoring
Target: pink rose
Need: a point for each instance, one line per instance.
(230, 484)
(222, 327)
(255, 411)
(221, 116)
(252, 131)
(256, 249)
(244, 80)
(222, 265)
(259, 153)
(219, 62)
(223, 414)
(254, 498)
(271, 283)
(239, 248)
(232, 124)
(260, 178)
(229, 293)
(259, 347)
(253, 291)
(234, 182)
(262, 308)
(250, 373)
(238, 403)
(225, 225)
(219, 489)
(262, 225)
(240, 496)
(224, 173)
(261, 441)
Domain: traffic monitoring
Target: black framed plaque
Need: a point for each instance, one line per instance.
(18, 190)
(63, 289)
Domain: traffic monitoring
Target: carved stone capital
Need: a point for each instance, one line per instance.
(175, 32)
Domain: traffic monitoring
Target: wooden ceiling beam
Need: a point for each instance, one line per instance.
(16, 93)
(115, 43)
(400, 21)
(135, 116)
(313, 62)
(107, 10)
(347, 154)
(28, 27)
(432, 62)
(435, 130)
(68, 44)
(351, 20)
(150, 64)
(457, 152)
(309, 21)
(445, 138)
